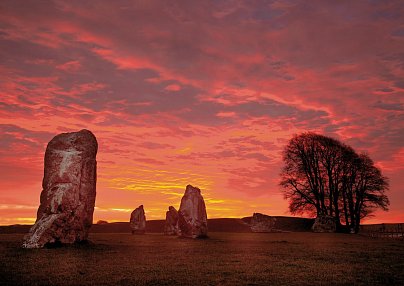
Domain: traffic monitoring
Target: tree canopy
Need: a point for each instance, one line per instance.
(323, 176)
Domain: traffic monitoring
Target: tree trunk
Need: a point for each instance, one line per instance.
(345, 208)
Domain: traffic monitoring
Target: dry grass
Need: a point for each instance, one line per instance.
(223, 259)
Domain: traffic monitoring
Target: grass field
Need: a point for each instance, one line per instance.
(223, 259)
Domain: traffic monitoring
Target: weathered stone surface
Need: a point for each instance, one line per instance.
(67, 200)
(324, 223)
(262, 223)
(171, 224)
(138, 221)
(192, 218)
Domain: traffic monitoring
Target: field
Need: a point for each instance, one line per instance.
(224, 259)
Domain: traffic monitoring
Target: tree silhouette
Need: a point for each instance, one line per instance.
(323, 176)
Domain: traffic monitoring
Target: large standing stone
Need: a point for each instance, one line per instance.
(171, 224)
(67, 200)
(262, 223)
(138, 221)
(192, 218)
(324, 223)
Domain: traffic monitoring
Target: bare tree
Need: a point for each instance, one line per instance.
(364, 190)
(324, 176)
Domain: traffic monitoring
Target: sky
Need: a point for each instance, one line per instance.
(206, 93)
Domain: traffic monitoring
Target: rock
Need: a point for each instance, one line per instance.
(171, 224)
(102, 222)
(67, 200)
(192, 218)
(138, 221)
(262, 223)
(324, 223)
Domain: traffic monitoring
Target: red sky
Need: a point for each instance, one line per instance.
(206, 93)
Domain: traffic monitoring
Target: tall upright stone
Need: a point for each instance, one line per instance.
(171, 224)
(192, 218)
(67, 199)
(138, 221)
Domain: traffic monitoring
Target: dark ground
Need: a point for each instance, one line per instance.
(292, 258)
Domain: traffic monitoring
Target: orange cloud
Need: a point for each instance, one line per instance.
(196, 94)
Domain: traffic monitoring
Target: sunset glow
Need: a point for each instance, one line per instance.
(201, 93)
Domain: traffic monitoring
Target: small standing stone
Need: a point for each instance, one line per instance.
(324, 223)
(262, 223)
(171, 224)
(138, 221)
